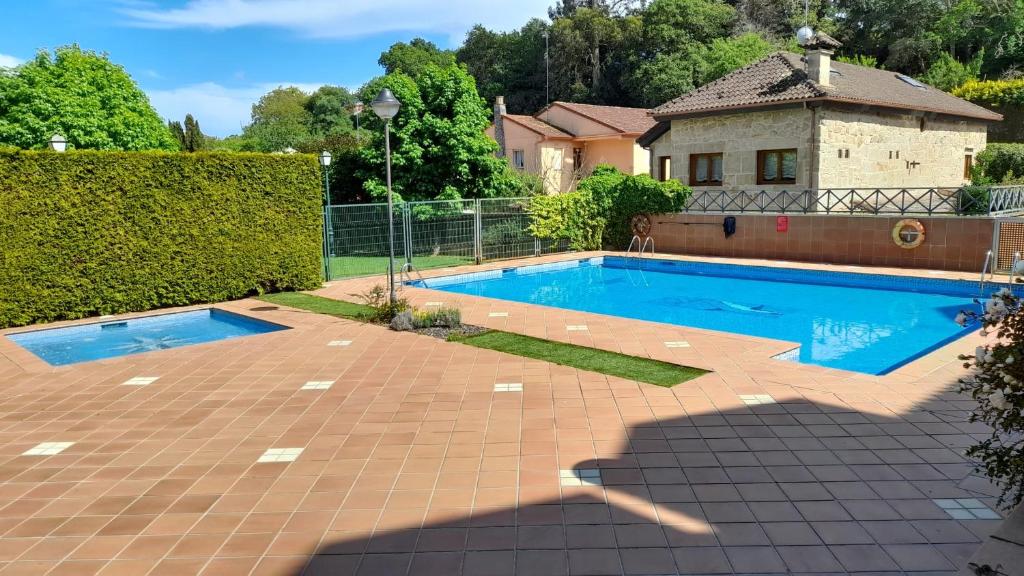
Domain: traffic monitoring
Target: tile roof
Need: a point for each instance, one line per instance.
(780, 78)
(539, 126)
(624, 120)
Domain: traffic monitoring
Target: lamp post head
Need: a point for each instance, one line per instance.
(58, 143)
(325, 158)
(358, 107)
(385, 105)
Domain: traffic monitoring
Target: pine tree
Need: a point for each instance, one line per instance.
(194, 140)
(179, 134)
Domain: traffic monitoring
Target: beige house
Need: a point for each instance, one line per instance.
(564, 141)
(792, 122)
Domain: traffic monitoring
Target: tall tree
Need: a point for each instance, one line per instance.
(194, 138)
(280, 120)
(178, 132)
(439, 148)
(414, 57)
(330, 111)
(82, 95)
(509, 64)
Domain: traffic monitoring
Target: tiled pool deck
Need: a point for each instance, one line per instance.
(289, 453)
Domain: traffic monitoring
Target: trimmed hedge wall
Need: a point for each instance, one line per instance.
(88, 232)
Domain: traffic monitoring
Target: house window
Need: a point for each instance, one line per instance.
(776, 166)
(664, 168)
(968, 164)
(518, 159)
(577, 158)
(706, 169)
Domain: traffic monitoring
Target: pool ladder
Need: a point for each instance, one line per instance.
(1013, 267)
(641, 247)
(405, 274)
(987, 269)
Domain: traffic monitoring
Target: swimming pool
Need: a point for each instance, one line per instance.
(74, 344)
(861, 322)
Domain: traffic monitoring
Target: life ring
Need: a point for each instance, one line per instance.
(641, 225)
(908, 233)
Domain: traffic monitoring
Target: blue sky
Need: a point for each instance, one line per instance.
(214, 58)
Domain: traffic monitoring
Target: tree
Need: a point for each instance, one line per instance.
(82, 95)
(194, 139)
(330, 111)
(414, 57)
(439, 148)
(509, 64)
(178, 132)
(947, 72)
(280, 120)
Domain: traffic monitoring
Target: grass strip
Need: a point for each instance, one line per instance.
(320, 305)
(592, 359)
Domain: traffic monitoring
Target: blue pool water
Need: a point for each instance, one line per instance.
(60, 346)
(860, 322)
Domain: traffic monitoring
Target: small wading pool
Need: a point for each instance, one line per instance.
(74, 344)
(861, 322)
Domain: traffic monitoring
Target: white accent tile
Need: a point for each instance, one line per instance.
(756, 399)
(140, 381)
(280, 455)
(340, 343)
(434, 304)
(317, 385)
(48, 448)
(966, 509)
(498, 315)
(580, 477)
(511, 387)
(677, 344)
(577, 328)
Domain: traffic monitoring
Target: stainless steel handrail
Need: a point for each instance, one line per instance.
(635, 239)
(1013, 266)
(404, 275)
(985, 268)
(649, 240)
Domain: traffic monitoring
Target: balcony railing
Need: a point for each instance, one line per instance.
(966, 201)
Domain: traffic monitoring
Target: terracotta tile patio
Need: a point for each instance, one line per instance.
(410, 462)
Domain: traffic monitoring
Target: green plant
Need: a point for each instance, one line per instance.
(992, 92)
(89, 232)
(82, 95)
(998, 163)
(445, 317)
(383, 309)
(996, 382)
(599, 212)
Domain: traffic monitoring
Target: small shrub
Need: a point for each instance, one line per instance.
(383, 310)
(445, 317)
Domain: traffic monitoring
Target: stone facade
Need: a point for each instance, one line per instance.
(738, 137)
(836, 148)
(882, 150)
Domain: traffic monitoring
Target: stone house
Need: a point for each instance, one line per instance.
(789, 122)
(564, 141)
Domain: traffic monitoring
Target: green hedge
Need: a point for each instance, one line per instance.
(599, 212)
(89, 232)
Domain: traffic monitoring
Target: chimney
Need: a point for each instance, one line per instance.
(499, 124)
(819, 65)
(820, 48)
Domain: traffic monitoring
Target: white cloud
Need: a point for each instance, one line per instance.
(341, 18)
(8, 61)
(220, 110)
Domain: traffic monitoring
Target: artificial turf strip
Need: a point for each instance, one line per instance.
(320, 305)
(592, 359)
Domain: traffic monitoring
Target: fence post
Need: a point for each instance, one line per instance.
(478, 249)
(407, 232)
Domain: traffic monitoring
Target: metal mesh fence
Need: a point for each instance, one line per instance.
(432, 234)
